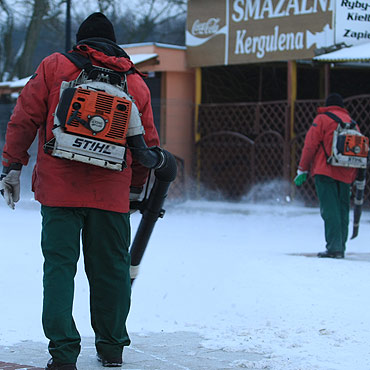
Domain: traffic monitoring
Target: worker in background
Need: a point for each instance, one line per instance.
(333, 183)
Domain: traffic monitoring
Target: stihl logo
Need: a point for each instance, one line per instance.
(92, 146)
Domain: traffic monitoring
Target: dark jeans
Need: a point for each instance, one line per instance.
(334, 198)
(105, 240)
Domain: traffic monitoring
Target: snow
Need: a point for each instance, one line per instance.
(228, 271)
(16, 83)
(140, 58)
(356, 53)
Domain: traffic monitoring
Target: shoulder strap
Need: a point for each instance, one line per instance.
(323, 147)
(339, 120)
(335, 118)
(85, 63)
(79, 60)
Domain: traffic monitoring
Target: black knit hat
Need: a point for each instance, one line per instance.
(334, 99)
(96, 25)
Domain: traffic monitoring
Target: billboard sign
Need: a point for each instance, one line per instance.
(352, 22)
(222, 32)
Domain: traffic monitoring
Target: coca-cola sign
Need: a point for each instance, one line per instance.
(209, 27)
(203, 31)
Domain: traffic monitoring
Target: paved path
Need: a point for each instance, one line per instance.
(10, 366)
(157, 351)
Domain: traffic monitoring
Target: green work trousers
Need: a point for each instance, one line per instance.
(334, 198)
(105, 239)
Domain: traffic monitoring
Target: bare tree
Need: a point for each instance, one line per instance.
(154, 14)
(30, 16)
(106, 6)
(151, 20)
(23, 61)
(134, 21)
(6, 30)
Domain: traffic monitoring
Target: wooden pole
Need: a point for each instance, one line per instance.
(327, 79)
(198, 100)
(290, 133)
(292, 92)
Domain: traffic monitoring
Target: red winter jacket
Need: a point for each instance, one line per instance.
(313, 156)
(64, 183)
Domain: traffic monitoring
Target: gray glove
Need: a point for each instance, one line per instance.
(10, 186)
(135, 195)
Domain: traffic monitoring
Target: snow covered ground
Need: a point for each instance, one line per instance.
(227, 271)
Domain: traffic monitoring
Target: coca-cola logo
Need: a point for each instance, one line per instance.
(209, 27)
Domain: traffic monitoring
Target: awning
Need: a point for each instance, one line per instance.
(357, 53)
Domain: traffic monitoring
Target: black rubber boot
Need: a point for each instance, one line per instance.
(330, 254)
(109, 362)
(51, 365)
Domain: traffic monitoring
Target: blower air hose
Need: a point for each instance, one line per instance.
(152, 209)
(358, 200)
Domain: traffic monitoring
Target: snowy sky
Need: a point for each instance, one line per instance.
(225, 271)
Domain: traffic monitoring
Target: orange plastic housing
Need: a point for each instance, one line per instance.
(115, 110)
(355, 145)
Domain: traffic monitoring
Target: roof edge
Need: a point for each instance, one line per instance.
(157, 44)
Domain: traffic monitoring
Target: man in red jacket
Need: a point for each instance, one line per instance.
(332, 182)
(79, 200)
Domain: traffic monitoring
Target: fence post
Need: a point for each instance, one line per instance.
(197, 136)
(289, 167)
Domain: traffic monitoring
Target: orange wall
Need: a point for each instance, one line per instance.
(180, 115)
(178, 88)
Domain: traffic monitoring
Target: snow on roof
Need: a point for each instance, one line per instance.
(158, 44)
(358, 53)
(135, 58)
(140, 58)
(16, 83)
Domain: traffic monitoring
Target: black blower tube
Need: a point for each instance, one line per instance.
(358, 200)
(152, 209)
(148, 157)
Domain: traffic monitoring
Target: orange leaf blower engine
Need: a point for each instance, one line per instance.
(353, 145)
(350, 148)
(97, 115)
(92, 122)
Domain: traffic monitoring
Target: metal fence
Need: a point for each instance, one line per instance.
(245, 144)
(241, 144)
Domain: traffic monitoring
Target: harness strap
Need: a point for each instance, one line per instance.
(339, 120)
(342, 125)
(326, 154)
(83, 62)
(79, 61)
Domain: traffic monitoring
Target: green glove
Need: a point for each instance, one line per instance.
(300, 178)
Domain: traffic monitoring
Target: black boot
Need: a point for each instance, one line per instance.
(109, 362)
(56, 366)
(328, 254)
